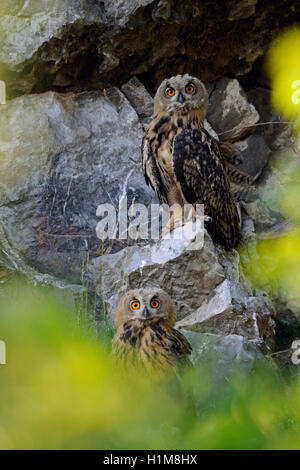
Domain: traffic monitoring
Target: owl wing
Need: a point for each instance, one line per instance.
(168, 347)
(180, 348)
(230, 157)
(151, 171)
(199, 169)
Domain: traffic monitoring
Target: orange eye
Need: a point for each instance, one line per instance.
(154, 303)
(189, 89)
(135, 305)
(170, 91)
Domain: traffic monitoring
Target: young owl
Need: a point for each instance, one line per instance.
(183, 163)
(145, 320)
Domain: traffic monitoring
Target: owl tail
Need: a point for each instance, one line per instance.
(225, 229)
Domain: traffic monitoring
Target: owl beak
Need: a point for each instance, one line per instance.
(146, 313)
(181, 98)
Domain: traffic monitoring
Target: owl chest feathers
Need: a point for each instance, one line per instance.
(150, 345)
(164, 129)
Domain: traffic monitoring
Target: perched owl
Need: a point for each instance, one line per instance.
(145, 320)
(184, 164)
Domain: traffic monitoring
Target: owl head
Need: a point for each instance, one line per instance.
(146, 305)
(181, 94)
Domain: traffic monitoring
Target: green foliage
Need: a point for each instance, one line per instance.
(275, 265)
(61, 389)
(283, 67)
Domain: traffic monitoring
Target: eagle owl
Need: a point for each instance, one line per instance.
(146, 336)
(183, 162)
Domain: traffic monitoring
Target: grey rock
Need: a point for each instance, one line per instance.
(224, 354)
(223, 359)
(83, 43)
(284, 138)
(284, 173)
(240, 10)
(14, 269)
(36, 22)
(277, 133)
(261, 99)
(162, 10)
(231, 308)
(205, 283)
(248, 229)
(65, 154)
(253, 153)
(266, 217)
(62, 156)
(229, 112)
(217, 302)
(139, 98)
(188, 275)
(119, 11)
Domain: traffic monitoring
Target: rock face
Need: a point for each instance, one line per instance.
(62, 156)
(229, 112)
(139, 98)
(71, 153)
(187, 272)
(103, 43)
(254, 154)
(73, 145)
(223, 354)
(205, 283)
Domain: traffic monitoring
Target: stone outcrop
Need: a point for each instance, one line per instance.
(62, 156)
(97, 44)
(73, 152)
(87, 71)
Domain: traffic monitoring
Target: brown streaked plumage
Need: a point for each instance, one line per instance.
(185, 165)
(146, 336)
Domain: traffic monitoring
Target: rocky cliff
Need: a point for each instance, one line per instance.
(80, 76)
